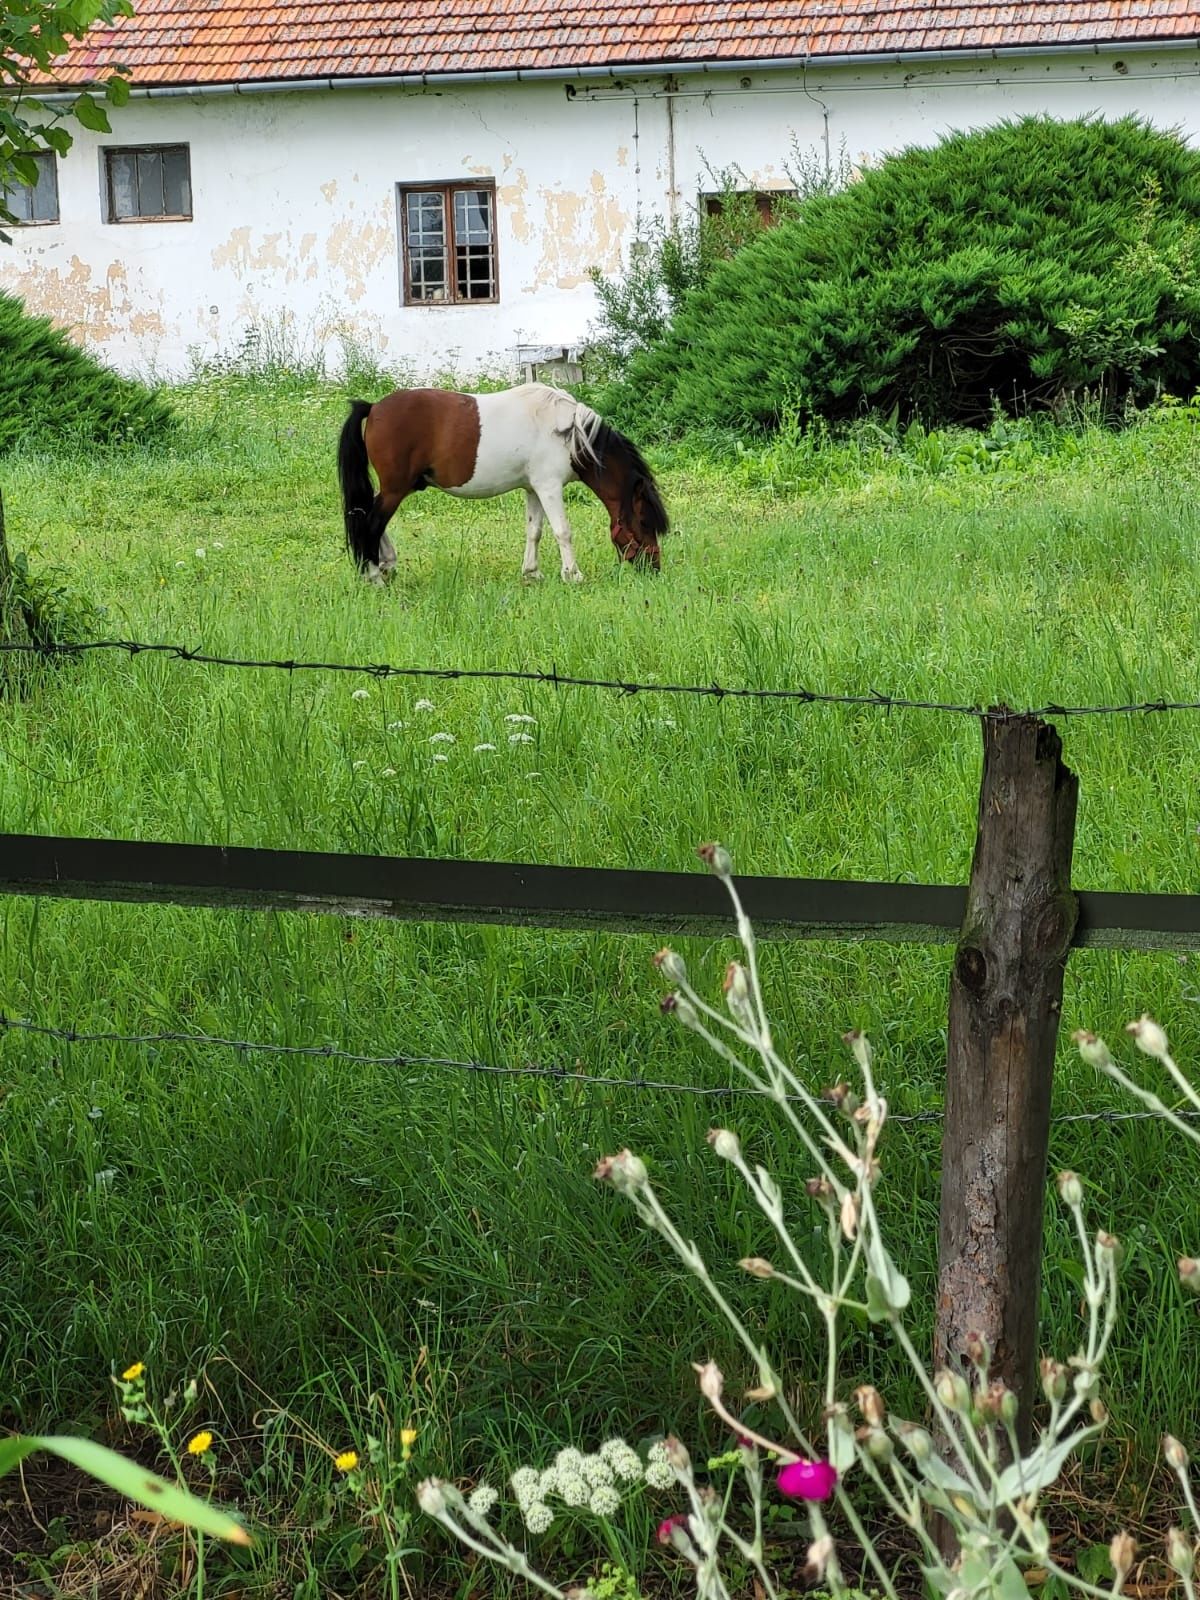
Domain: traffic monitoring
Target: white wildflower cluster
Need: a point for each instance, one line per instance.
(482, 1500)
(581, 1482)
(660, 1474)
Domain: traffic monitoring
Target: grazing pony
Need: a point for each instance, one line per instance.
(533, 438)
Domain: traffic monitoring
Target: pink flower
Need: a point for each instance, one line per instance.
(679, 1520)
(807, 1480)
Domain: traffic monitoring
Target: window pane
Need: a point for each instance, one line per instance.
(426, 219)
(122, 183)
(150, 184)
(472, 216)
(45, 194)
(18, 197)
(474, 258)
(177, 187)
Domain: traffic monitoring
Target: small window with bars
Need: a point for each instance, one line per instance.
(448, 244)
(34, 203)
(148, 183)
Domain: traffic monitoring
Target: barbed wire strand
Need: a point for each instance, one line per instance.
(560, 680)
(329, 1052)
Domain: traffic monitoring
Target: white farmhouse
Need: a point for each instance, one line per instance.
(433, 180)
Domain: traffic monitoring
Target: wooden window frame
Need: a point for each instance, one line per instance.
(17, 188)
(764, 201)
(108, 151)
(447, 191)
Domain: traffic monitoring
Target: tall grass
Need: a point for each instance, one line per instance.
(330, 1241)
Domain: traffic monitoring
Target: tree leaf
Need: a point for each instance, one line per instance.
(91, 115)
(117, 90)
(127, 1478)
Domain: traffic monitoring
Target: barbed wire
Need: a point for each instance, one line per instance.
(330, 1052)
(622, 686)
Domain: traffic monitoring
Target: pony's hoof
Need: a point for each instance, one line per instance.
(533, 577)
(574, 576)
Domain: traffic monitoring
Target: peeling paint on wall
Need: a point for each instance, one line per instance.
(580, 231)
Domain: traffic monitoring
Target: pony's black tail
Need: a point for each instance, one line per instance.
(358, 492)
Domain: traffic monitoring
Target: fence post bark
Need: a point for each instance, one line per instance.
(1005, 998)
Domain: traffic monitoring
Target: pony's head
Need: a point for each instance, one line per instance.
(637, 516)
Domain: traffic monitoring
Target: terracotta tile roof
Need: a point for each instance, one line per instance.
(209, 41)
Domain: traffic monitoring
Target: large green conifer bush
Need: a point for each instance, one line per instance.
(1021, 265)
(51, 390)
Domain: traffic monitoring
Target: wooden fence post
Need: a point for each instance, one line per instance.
(1005, 998)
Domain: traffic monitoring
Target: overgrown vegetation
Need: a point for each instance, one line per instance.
(340, 1250)
(668, 260)
(52, 391)
(1025, 266)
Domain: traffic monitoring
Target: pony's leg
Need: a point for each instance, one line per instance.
(382, 513)
(551, 496)
(535, 517)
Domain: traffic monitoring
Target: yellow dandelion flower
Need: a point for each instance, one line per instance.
(408, 1437)
(200, 1443)
(134, 1372)
(347, 1461)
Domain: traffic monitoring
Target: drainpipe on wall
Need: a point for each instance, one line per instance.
(670, 86)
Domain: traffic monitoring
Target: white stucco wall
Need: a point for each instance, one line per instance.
(294, 195)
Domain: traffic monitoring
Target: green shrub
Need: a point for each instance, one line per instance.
(1023, 266)
(51, 391)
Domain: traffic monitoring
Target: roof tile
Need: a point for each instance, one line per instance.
(213, 41)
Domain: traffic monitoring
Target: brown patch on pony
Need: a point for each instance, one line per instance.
(417, 437)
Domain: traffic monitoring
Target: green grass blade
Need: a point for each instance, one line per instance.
(127, 1478)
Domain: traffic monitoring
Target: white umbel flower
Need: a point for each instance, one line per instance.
(483, 1499)
(605, 1501)
(538, 1517)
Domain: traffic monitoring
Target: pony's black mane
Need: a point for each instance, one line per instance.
(612, 448)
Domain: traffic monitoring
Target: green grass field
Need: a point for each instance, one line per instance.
(334, 1248)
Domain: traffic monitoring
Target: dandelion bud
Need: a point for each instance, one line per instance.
(1181, 1557)
(869, 1401)
(879, 1446)
(672, 966)
(717, 859)
(678, 1005)
(951, 1389)
(820, 1553)
(626, 1172)
(725, 1143)
(711, 1381)
(915, 1440)
(1174, 1454)
(430, 1497)
(849, 1215)
(676, 1454)
(1093, 1050)
(977, 1351)
(995, 1401)
(1110, 1242)
(736, 987)
(1054, 1378)
(860, 1047)
(1070, 1189)
(1189, 1273)
(757, 1267)
(1121, 1552)
(1148, 1036)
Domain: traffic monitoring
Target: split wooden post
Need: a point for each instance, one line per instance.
(1005, 998)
